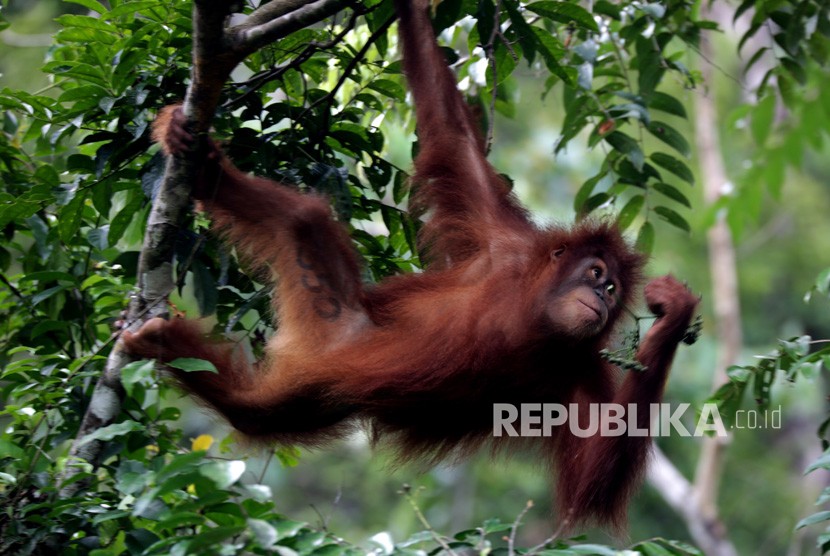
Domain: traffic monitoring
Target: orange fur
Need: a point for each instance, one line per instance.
(423, 357)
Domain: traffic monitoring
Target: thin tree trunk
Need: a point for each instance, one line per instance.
(217, 49)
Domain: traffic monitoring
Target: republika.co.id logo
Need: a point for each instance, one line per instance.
(611, 419)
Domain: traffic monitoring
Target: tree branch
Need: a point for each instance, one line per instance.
(697, 502)
(271, 11)
(724, 275)
(708, 532)
(216, 51)
(249, 38)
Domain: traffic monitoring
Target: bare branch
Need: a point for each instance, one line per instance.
(258, 80)
(271, 11)
(248, 38)
(347, 71)
(708, 532)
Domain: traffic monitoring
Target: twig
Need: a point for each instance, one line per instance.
(563, 526)
(511, 540)
(349, 69)
(407, 492)
(312, 48)
(248, 39)
(490, 50)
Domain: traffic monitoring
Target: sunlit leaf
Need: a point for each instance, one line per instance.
(630, 211)
(645, 238)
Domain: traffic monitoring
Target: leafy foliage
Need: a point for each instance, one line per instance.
(796, 358)
(789, 42)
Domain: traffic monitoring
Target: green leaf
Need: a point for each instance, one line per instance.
(485, 16)
(672, 193)
(592, 549)
(795, 69)
(77, 70)
(822, 462)
(754, 59)
(265, 533)
(136, 372)
(650, 66)
(762, 117)
(130, 8)
(738, 373)
(46, 326)
(86, 93)
(552, 51)
(628, 146)
(388, 88)
(49, 276)
(71, 217)
(46, 294)
(86, 22)
(565, 12)
(92, 5)
(645, 238)
(670, 136)
(629, 110)
(813, 519)
(673, 165)
(630, 211)
(604, 7)
(673, 218)
(524, 34)
(823, 282)
(97, 237)
(728, 399)
(223, 473)
(790, 94)
(181, 519)
(654, 10)
(122, 220)
(808, 369)
(585, 192)
(190, 365)
(667, 103)
(593, 203)
(287, 528)
(204, 288)
(796, 347)
(745, 5)
(182, 463)
(112, 431)
(400, 186)
(85, 35)
(505, 64)
(495, 525)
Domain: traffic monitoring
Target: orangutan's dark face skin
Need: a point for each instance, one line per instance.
(585, 299)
